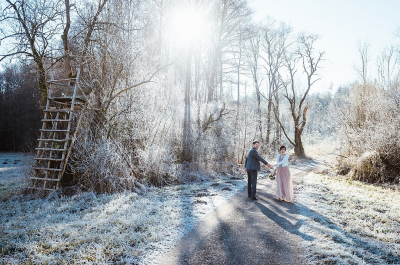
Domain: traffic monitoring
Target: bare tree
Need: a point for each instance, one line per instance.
(33, 26)
(362, 90)
(187, 123)
(229, 16)
(309, 61)
(388, 67)
(253, 60)
(275, 40)
(362, 70)
(238, 63)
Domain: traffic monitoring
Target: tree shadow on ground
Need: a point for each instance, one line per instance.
(244, 235)
(232, 243)
(283, 222)
(363, 248)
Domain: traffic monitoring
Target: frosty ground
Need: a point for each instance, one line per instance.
(351, 222)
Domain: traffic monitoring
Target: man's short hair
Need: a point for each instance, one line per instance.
(255, 142)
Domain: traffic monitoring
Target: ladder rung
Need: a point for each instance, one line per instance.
(57, 110)
(54, 120)
(38, 188)
(60, 84)
(49, 158)
(50, 130)
(45, 179)
(78, 105)
(46, 168)
(50, 149)
(53, 140)
(68, 99)
(68, 79)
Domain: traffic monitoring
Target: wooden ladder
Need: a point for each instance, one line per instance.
(56, 136)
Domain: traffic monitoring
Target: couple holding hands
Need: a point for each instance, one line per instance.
(283, 179)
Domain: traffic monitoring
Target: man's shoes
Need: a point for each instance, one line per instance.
(254, 198)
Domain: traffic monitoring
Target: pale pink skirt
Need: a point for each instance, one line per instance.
(284, 184)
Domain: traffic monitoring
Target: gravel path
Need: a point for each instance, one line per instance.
(245, 232)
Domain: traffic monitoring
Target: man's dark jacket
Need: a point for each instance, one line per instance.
(253, 160)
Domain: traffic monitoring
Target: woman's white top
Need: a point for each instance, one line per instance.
(284, 162)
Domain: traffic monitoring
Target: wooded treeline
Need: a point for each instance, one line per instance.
(20, 114)
(166, 101)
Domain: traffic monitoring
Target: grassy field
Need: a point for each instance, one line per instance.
(351, 222)
(99, 229)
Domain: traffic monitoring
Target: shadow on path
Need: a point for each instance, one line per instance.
(244, 232)
(266, 231)
(283, 222)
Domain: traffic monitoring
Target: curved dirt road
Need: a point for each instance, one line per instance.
(245, 232)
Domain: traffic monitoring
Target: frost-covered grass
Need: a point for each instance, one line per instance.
(351, 222)
(124, 228)
(12, 166)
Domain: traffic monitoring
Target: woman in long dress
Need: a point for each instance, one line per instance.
(283, 179)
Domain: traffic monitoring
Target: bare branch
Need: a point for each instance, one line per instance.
(4, 56)
(140, 83)
(211, 119)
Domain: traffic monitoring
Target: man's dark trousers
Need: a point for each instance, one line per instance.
(252, 179)
(248, 183)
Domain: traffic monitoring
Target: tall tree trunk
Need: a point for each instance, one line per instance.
(237, 131)
(259, 112)
(298, 148)
(197, 77)
(267, 139)
(187, 131)
(245, 125)
(277, 126)
(211, 80)
(42, 82)
(64, 38)
(160, 27)
(221, 88)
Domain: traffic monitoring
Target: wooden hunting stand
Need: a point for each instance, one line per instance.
(61, 122)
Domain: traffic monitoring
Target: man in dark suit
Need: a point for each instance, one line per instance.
(252, 165)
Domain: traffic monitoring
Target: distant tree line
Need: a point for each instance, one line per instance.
(20, 114)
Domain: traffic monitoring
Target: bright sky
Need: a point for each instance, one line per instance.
(341, 25)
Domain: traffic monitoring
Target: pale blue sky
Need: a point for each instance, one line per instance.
(341, 25)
